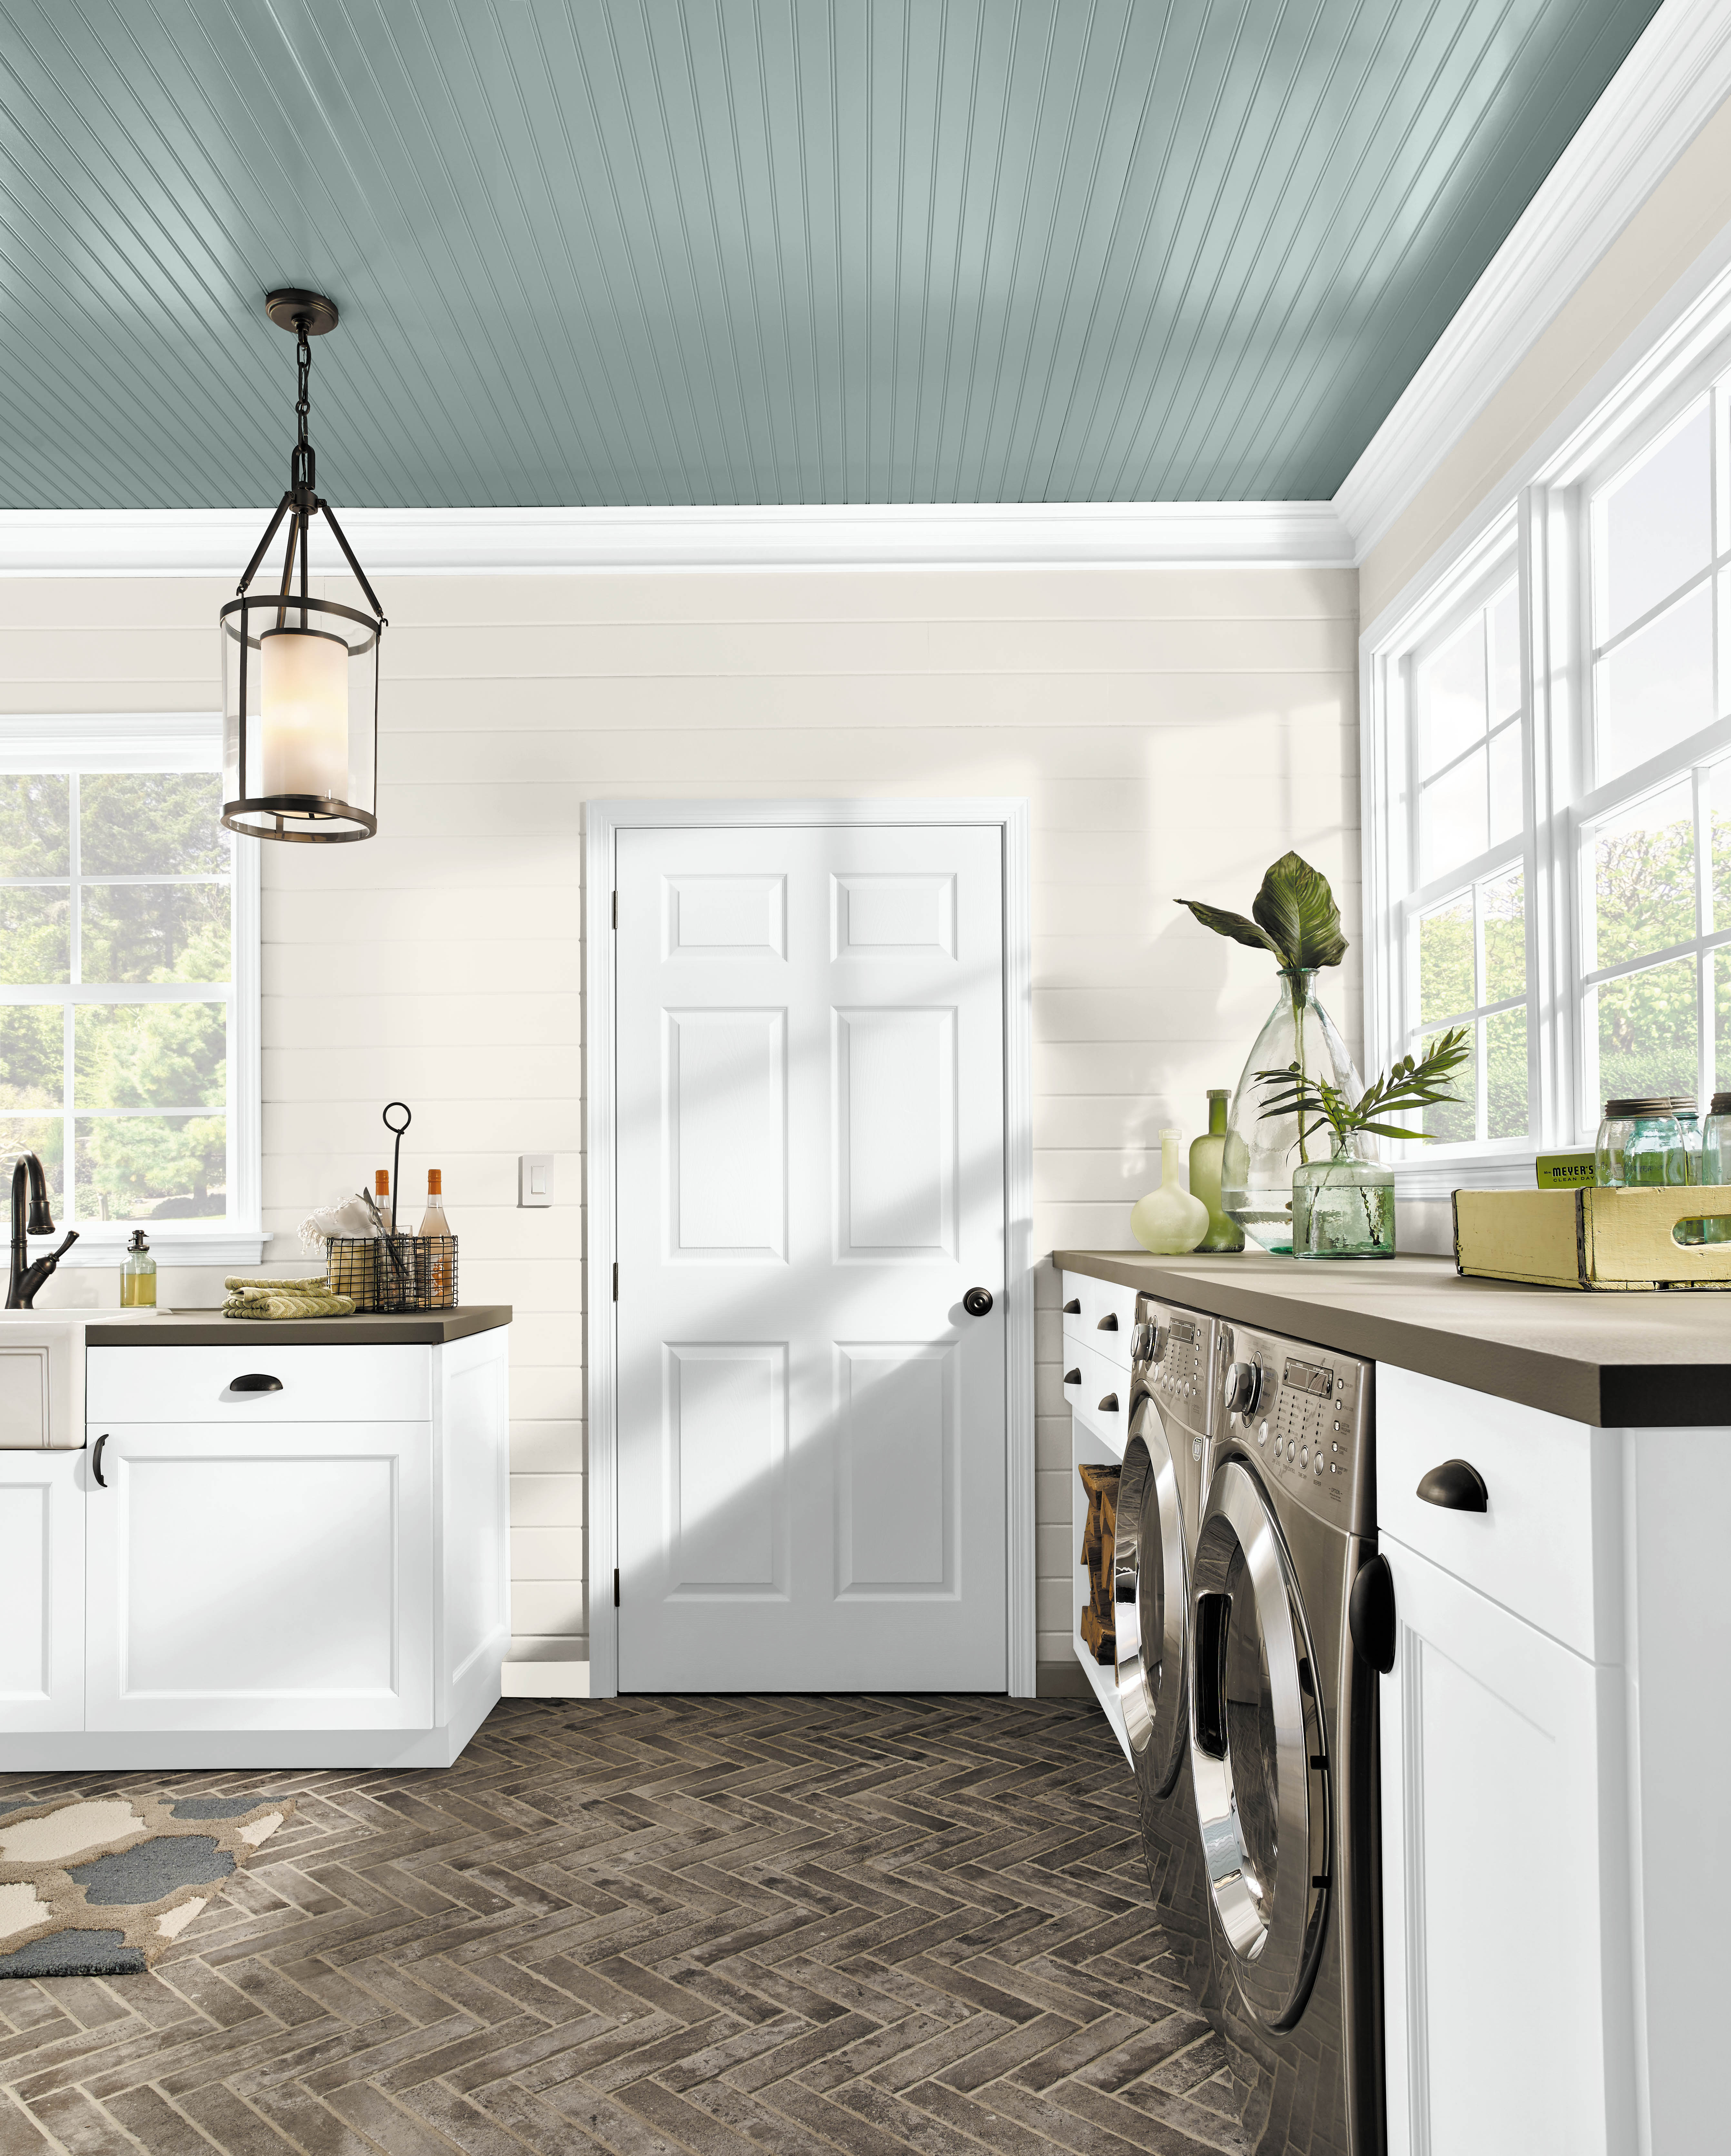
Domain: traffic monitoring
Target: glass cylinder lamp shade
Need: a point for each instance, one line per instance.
(301, 719)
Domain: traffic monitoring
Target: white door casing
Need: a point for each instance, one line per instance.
(804, 1044)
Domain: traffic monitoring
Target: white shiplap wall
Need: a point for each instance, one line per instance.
(1174, 729)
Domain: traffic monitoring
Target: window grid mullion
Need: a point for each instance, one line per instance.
(1701, 779)
(68, 1028)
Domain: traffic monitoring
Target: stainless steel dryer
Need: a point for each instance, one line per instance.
(1159, 1504)
(1290, 1620)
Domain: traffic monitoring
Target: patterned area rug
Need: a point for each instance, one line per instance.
(98, 1887)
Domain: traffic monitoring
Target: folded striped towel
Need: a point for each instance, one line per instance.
(271, 1283)
(284, 1302)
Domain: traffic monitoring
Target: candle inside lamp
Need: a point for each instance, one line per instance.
(304, 713)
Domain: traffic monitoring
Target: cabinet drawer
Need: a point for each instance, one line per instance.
(1098, 1393)
(1547, 1544)
(317, 1384)
(1104, 1317)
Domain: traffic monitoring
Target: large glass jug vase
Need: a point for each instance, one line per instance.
(1261, 1152)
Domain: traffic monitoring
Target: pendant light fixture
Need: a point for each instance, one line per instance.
(301, 675)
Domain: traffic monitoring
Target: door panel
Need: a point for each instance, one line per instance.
(895, 1141)
(897, 1501)
(42, 1590)
(726, 1409)
(1494, 1964)
(810, 1174)
(278, 1578)
(725, 1097)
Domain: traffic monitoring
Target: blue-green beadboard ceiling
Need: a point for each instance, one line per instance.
(696, 251)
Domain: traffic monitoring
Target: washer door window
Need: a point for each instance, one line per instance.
(1153, 1609)
(1258, 1751)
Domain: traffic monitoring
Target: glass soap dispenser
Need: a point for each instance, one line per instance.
(138, 1274)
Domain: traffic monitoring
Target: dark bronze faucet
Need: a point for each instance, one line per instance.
(26, 1278)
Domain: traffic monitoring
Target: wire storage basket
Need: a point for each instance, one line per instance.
(393, 1272)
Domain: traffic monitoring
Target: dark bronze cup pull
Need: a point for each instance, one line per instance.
(255, 1381)
(1072, 1377)
(96, 1462)
(1110, 1404)
(1073, 1308)
(1109, 1323)
(1457, 1487)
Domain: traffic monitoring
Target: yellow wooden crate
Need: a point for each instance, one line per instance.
(1592, 1238)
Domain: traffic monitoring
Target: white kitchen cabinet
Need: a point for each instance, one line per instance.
(306, 1569)
(42, 1590)
(275, 1578)
(1505, 2002)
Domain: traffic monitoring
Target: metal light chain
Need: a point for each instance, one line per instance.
(302, 465)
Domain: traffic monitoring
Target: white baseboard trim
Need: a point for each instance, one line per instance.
(541, 1680)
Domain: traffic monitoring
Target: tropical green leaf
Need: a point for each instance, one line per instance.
(1296, 911)
(1237, 926)
(1411, 1083)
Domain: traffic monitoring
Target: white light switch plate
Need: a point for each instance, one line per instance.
(534, 1178)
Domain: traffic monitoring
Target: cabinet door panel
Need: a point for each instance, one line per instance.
(1502, 1987)
(280, 1579)
(42, 1591)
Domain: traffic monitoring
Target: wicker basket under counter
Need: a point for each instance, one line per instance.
(405, 1272)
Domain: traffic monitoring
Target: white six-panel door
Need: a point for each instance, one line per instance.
(809, 1055)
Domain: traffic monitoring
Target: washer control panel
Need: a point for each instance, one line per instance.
(1174, 1355)
(1304, 1421)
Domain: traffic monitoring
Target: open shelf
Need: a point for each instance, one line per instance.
(1088, 1448)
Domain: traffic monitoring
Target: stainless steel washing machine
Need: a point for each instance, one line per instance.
(1159, 1504)
(1290, 1620)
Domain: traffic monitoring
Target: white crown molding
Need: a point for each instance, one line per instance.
(195, 542)
(1676, 74)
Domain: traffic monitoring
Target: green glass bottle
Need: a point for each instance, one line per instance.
(1224, 1233)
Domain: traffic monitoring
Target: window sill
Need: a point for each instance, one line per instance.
(1422, 1179)
(104, 1243)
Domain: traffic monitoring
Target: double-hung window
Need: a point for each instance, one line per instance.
(1463, 921)
(1547, 756)
(128, 985)
(1653, 828)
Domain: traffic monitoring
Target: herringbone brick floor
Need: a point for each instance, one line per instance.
(726, 1926)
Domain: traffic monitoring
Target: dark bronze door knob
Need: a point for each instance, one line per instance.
(977, 1301)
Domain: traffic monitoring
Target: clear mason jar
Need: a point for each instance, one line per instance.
(1716, 1163)
(1608, 1147)
(1688, 1124)
(1653, 1152)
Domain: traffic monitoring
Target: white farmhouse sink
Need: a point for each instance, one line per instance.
(41, 1375)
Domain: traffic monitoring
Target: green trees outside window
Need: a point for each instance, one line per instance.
(115, 980)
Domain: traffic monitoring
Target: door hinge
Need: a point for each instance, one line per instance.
(615, 909)
(615, 1280)
(616, 1586)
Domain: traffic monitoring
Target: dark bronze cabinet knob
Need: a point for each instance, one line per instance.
(977, 1301)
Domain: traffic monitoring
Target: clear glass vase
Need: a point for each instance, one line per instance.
(1343, 1208)
(1261, 1152)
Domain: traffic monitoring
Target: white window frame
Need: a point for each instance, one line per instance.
(1544, 519)
(173, 741)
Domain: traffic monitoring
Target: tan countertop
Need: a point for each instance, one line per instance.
(1623, 1361)
(369, 1328)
